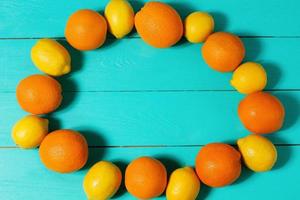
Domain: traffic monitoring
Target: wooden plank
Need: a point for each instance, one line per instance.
(153, 118)
(141, 67)
(34, 18)
(24, 177)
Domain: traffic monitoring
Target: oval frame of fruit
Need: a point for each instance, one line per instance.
(160, 26)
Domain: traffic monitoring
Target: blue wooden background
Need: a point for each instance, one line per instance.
(130, 99)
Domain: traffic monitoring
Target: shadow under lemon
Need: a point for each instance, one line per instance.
(122, 190)
(69, 85)
(77, 58)
(284, 151)
(274, 74)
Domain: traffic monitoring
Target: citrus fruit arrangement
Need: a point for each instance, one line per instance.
(159, 25)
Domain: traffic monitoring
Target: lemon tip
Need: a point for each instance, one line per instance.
(66, 69)
(240, 142)
(232, 83)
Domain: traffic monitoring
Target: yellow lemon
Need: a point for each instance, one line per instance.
(51, 57)
(249, 77)
(258, 152)
(102, 181)
(198, 26)
(183, 185)
(120, 17)
(29, 131)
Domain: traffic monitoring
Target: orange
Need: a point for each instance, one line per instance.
(146, 178)
(223, 51)
(159, 24)
(86, 30)
(39, 94)
(261, 113)
(218, 164)
(64, 151)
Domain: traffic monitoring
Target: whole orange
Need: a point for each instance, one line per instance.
(159, 24)
(146, 178)
(223, 51)
(261, 113)
(64, 151)
(39, 94)
(218, 164)
(86, 30)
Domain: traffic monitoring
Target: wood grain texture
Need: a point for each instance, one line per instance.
(153, 118)
(142, 67)
(24, 177)
(47, 18)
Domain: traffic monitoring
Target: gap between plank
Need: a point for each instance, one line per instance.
(137, 37)
(153, 146)
(162, 91)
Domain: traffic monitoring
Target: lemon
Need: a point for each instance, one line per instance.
(258, 152)
(198, 26)
(120, 17)
(29, 131)
(249, 77)
(102, 181)
(183, 185)
(51, 57)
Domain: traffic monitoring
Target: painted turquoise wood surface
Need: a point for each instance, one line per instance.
(146, 101)
(152, 118)
(142, 67)
(260, 18)
(24, 177)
